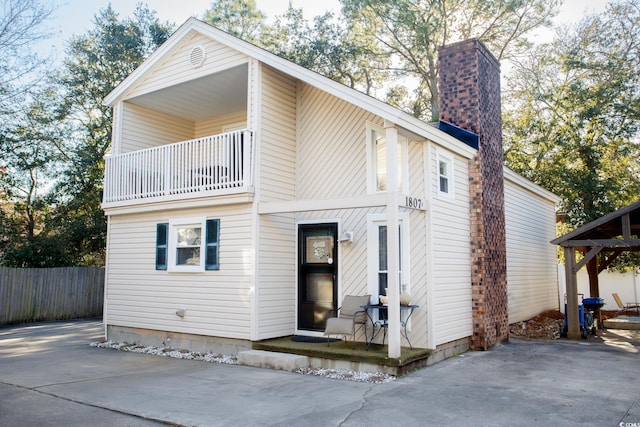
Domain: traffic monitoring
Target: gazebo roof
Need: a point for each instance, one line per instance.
(619, 230)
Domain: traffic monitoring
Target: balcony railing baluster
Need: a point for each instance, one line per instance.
(207, 164)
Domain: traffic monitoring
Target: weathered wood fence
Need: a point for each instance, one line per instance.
(43, 294)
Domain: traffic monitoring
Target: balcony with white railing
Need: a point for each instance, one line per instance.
(212, 165)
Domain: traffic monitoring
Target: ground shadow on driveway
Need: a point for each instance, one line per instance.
(51, 375)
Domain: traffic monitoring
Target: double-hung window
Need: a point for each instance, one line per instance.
(188, 245)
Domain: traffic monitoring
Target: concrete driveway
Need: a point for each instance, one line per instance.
(50, 375)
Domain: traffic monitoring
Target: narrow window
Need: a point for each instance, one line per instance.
(383, 257)
(212, 245)
(377, 160)
(378, 257)
(162, 231)
(445, 175)
(380, 143)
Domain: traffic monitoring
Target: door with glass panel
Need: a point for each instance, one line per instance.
(317, 273)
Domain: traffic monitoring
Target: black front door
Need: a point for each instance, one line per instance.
(317, 272)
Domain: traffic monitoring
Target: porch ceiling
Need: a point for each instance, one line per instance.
(200, 99)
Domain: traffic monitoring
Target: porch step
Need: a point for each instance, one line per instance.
(273, 360)
(629, 323)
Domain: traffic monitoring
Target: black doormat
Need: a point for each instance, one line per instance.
(302, 338)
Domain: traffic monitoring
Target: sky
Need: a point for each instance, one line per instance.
(75, 16)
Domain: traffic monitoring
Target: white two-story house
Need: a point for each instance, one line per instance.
(246, 195)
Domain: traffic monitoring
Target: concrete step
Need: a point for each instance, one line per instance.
(272, 360)
(629, 323)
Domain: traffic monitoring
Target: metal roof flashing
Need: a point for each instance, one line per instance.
(468, 137)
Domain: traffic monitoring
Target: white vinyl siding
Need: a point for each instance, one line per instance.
(276, 253)
(418, 245)
(276, 291)
(177, 67)
(532, 274)
(353, 277)
(144, 128)
(450, 252)
(217, 125)
(418, 283)
(277, 135)
(352, 266)
(217, 303)
(332, 146)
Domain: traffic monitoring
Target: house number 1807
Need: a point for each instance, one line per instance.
(414, 202)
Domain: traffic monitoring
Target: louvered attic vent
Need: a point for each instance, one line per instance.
(196, 57)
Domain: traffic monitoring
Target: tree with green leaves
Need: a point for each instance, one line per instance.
(240, 18)
(411, 31)
(28, 158)
(573, 114)
(330, 46)
(96, 63)
(22, 24)
(572, 118)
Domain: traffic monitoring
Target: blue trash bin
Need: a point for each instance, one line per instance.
(585, 319)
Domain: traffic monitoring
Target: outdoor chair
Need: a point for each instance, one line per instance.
(625, 307)
(351, 316)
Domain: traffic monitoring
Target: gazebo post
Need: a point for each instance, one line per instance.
(594, 283)
(601, 234)
(573, 320)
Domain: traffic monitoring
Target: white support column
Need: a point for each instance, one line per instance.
(393, 241)
(428, 238)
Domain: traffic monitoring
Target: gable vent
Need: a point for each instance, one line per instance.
(196, 57)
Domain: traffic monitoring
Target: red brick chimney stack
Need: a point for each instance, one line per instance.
(469, 97)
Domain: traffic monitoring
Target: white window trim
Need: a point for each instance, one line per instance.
(173, 243)
(371, 159)
(448, 159)
(373, 221)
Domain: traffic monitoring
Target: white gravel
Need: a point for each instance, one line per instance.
(357, 376)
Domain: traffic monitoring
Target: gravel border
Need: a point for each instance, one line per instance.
(357, 376)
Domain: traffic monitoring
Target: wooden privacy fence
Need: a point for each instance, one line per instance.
(43, 294)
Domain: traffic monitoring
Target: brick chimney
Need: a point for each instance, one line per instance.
(470, 98)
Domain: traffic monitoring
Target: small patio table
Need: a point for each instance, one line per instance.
(381, 321)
